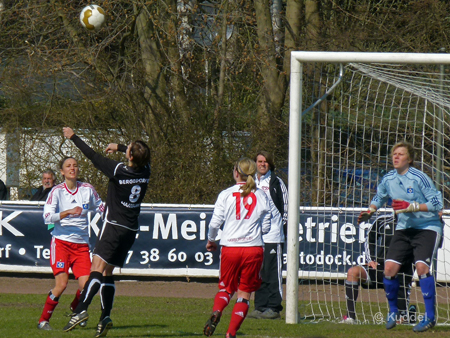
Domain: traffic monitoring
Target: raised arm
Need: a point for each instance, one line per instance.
(106, 165)
(113, 147)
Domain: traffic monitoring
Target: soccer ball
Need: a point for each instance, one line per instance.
(92, 17)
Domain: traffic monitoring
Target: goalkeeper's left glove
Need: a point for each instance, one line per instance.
(403, 206)
(364, 216)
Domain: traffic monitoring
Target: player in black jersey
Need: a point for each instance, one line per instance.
(370, 276)
(126, 189)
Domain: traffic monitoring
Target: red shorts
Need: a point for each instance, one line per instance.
(240, 268)
(65, 255)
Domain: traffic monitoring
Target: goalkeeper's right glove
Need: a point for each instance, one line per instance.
(400, 206)
(364, 216)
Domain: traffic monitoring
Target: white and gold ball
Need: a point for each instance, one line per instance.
(92, 17)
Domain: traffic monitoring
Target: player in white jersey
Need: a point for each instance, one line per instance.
(243, 212)
(417, 204)
(66, 209)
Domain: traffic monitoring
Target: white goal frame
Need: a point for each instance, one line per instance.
(295, 122)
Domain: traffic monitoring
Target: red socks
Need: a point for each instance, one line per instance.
(238, 315)
(75, 301)
(221, 301)
(49, 307)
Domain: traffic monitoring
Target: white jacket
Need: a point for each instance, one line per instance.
(276, 233)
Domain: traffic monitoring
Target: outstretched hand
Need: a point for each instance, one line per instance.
(112, 148)
(68, 132)
(364, 216)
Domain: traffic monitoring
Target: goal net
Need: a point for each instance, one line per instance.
(350, 116)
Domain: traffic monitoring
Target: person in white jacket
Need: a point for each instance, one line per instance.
(243, 213)
(269, 296)
(66, 209)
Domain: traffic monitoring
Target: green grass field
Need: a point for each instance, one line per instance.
(172, 317)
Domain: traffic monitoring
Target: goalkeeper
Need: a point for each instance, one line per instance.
(370, 275)
(418, 233)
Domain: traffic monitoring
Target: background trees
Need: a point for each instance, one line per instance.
(203, 82)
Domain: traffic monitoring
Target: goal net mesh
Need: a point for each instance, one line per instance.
(346, 139)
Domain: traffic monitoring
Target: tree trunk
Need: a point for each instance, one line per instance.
(181, 104)
(155, 89)
(274, 91)
(312, 37)
(294, 19)
(313, 25)
(223, 60)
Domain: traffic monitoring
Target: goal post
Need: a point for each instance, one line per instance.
(389, 101)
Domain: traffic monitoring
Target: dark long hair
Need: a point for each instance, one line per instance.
(269, 158)
(141, 154)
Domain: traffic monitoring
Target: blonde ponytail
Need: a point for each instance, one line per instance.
(246, 168)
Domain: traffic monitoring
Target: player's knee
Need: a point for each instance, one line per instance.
(390, 271)
(422, 269)
(353, 274)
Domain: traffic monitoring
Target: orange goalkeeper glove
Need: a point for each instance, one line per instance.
(401, 206)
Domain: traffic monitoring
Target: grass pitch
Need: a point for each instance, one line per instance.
(173, 317)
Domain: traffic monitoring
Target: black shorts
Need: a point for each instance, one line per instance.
(114, 243)
(420, 244)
